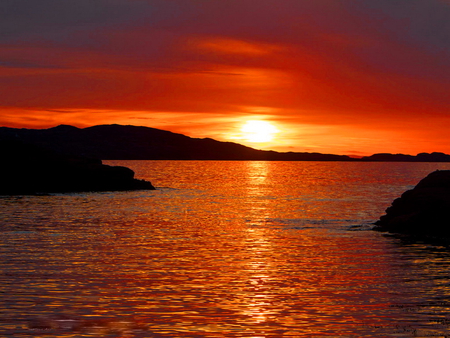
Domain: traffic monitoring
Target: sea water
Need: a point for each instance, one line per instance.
(223, 249)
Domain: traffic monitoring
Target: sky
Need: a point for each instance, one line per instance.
(352, 77)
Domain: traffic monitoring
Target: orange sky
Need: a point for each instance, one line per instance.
(339, 77)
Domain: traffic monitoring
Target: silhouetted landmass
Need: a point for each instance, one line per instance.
(28, 169)
(117, 142)
(422, 157)
(423, 211)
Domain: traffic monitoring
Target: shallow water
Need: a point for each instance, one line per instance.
(223, 249)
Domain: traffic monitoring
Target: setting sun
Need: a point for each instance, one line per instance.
(258, 131)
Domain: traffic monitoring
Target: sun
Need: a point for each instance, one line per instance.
(259, 131)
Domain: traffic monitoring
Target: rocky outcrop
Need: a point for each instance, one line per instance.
(27, 169)
(422, 211)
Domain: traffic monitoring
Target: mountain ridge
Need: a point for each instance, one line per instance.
(128, 142)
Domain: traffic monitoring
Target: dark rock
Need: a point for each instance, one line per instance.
(27, 169)
(422, 211)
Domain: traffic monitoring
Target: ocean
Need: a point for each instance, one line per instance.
(223, 249)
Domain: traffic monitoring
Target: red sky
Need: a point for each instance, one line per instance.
(343, 77)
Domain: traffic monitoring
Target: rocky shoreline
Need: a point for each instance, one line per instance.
(422, 212)
(29, 170)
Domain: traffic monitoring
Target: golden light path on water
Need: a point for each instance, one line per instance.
(222, 249)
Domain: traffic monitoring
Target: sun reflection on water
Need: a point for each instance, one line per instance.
(257, 270)
(257, 175)
(237, 249)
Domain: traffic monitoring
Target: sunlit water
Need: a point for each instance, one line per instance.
(223, 249)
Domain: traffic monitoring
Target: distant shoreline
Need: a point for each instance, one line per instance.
(119, 142)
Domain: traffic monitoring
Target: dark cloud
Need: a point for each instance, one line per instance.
(54, 19)
(19, 64)
(424, 24)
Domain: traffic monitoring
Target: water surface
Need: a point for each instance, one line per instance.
(223, 249)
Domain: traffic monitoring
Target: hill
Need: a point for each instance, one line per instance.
(117, 142)
(422, 157)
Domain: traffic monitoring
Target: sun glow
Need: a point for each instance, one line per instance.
(258, 131)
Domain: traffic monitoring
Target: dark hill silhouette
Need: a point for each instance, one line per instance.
(117, 142)
(422, 157)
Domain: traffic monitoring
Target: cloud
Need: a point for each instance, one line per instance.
(317, 63)
(420, 23)
(54, 19)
